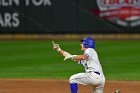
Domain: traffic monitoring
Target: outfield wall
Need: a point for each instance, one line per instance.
(65, 16)
(69, 36)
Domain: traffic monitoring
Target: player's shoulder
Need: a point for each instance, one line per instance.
(90, 50)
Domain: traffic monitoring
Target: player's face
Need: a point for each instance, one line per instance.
(82, 47)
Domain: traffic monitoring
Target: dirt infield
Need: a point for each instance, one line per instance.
(61, 86)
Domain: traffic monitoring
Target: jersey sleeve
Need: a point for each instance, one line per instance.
(89, 53)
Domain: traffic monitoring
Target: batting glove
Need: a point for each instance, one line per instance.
(56, 47)
(68, 56)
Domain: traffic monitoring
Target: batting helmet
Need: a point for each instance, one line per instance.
(88, 42)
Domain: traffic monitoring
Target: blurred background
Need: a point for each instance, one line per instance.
(71, 16)
(27, 28)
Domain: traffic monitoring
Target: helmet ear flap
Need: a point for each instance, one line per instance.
(85, 44)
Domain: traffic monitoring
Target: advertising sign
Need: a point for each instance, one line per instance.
(23, 15)
(69, 16)
(125, 13)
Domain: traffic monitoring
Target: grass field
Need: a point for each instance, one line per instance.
(36, 59)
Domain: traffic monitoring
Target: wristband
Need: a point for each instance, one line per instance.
(72, 57)
(59, 49)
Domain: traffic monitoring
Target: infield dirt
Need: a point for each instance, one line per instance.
(61, 86)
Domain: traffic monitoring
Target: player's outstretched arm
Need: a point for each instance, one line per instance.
(64, 53)
(80, 57)
(68, 55)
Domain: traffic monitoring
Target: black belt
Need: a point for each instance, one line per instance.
(95, 72)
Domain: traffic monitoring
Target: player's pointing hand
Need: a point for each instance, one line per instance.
(56, 46)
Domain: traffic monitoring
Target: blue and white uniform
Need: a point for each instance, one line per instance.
(93, 72)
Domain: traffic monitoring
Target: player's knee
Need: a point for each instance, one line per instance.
(99, 89)
(72, 80)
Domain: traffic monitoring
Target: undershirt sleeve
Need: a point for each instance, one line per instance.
(89, 53)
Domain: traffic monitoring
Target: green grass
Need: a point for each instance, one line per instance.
(36, 59)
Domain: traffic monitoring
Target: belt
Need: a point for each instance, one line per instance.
(96, 72)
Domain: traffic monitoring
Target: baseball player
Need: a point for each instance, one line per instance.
(93, 74)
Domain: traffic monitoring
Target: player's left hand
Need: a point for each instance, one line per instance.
(67, 55)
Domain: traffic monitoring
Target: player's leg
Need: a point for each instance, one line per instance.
(74, 80)
(73, 87)
(98, 89)
(86, 79)
(80, 78)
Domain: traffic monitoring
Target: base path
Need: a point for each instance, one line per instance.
(61, 86)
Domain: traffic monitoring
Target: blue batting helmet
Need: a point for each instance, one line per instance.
(88, 42)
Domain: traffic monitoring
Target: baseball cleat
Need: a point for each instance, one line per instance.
(117, 91)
